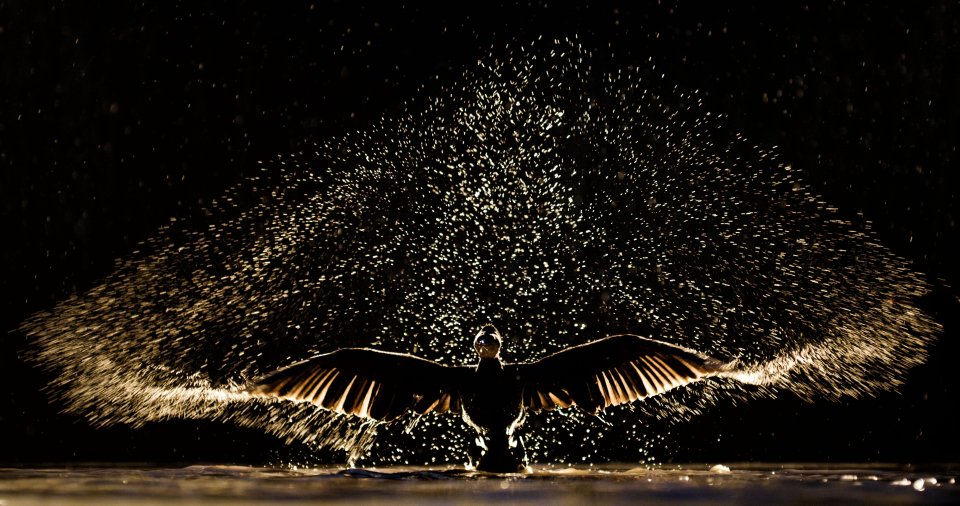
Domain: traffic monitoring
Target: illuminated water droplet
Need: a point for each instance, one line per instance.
(508, 196)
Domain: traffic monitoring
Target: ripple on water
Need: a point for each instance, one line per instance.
(687, 484)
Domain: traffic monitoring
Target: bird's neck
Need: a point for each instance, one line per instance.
(490, 364)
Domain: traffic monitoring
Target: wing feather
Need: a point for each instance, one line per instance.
(367, 383)
(611, 371)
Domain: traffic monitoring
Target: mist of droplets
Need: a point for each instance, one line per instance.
(560, 202)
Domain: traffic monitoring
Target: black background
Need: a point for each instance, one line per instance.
(113, 118)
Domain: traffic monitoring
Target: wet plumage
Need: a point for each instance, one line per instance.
(493, 396)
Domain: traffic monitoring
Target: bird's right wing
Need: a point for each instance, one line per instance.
(610, 371)
(367, 383)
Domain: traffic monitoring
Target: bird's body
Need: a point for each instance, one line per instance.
(491, 404)
(493, 397)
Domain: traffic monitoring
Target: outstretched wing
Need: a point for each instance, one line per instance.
(367, 383)
(610, 371)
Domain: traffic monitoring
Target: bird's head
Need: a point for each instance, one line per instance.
(487, 342)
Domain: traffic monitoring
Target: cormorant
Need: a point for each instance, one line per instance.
(492, 396)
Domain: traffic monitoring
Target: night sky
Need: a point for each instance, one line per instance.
(115, 119)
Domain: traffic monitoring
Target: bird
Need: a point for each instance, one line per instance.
(493, 397)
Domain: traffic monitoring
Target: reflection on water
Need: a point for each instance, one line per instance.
(612, 483)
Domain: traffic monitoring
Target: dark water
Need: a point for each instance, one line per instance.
(756, 483)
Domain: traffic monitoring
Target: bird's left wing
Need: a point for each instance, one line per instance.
(367, 383)
(610, 371)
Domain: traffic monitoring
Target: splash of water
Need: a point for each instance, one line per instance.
(561, 203)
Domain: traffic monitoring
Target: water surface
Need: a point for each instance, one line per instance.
(756, 483)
